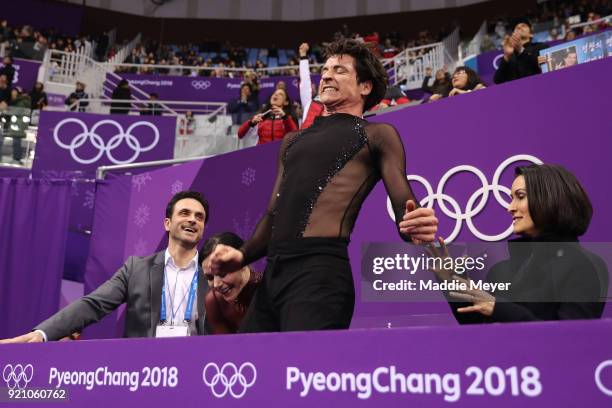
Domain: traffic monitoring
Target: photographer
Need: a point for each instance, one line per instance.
(274, 122)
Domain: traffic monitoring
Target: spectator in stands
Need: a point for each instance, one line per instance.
(393, 97)
(244, 107)
(38, 97)
(311, 106)
(521, 55)
(229, 295)
(250, 78)
(272, 124)
(5, 92)
(551, 276)
(152, 107)
(102, 46)
(8, 70)
(187, 124)
(121, 96)
(465, 80)
(441, 86)
(19, 111)
(281, 85)
(186, 217)
(80, 96)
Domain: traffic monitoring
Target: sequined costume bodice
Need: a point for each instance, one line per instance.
(325, 173)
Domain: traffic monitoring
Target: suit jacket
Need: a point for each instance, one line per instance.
(138, 283)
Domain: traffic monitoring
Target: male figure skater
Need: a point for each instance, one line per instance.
(324, 174)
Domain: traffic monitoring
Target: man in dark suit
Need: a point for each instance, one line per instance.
(142, 281)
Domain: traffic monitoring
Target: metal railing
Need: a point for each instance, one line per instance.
(154, 107)
(607, 19)
(102, 170)
(190, 70)
(473, 47)
(123, 53)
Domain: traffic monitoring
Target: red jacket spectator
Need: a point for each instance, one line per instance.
(269, 130)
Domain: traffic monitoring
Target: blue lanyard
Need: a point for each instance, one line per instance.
(192, 293)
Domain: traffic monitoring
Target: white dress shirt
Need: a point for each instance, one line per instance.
(177, 282)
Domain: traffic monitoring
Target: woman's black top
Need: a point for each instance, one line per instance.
(552, 278)
(325, 173)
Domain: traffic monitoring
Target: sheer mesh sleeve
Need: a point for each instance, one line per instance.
(390, 160)
(256, 247)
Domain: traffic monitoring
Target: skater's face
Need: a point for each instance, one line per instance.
(339, 85)
(229, 285)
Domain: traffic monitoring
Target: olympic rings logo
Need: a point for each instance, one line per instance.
(200, 85)
(96, 140)
(483, 193)
(598, 370)
(496, 61)
(231, 379)
(17, 376)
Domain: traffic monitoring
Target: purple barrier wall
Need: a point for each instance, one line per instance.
(34, 219)
(206, 89)
(72, 141)
(525, 364)
(465, 141)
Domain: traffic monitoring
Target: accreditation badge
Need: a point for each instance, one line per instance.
(163, 330)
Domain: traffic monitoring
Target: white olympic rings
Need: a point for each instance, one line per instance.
(200, 85)
(482, 193)
(97, 141)
(229, 376)
(17, 376)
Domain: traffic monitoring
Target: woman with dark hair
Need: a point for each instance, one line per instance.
(230, 294)
(550, 276)
(441, 85)
(465, 80)
(273, 122)
(120, 97)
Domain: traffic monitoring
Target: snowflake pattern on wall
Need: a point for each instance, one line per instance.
(89, 200)
(248, 176)
(142, 215)
(140, 247)
(140, 180)
(176, 187)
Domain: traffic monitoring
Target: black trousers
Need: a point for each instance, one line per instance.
(307, 285)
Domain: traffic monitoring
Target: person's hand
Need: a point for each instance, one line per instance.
(442, 273)
(278, 111)
(542, 59)
(456, 91)
(224, 259)
(303, 50)
(482, 302)
(515, 39)
(31, 337)
(420, 223)
(435, 97)
(256, 119)
(428, 71)
(508, 48)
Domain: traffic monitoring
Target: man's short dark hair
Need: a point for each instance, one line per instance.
(558, 204)
(187, 194)
(368, 67)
